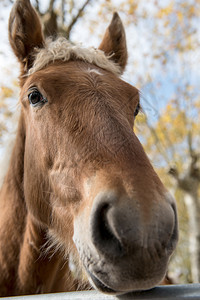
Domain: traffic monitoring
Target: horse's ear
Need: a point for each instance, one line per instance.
(114, 42)
(25, 32)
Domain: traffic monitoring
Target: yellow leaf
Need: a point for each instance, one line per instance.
(7, 92)
(180, 16)
(165, 11)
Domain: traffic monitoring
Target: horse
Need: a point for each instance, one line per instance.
(79, 188)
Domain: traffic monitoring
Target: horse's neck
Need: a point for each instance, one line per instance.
(12, 215)
(40, 272)
(22, 269)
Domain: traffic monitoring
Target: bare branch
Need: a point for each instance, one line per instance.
(51, 4)
(63, 11)
(50, 24)
(189, 139)
(75, 18)
(37, 6)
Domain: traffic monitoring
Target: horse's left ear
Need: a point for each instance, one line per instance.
(25, 32)
(114, 42)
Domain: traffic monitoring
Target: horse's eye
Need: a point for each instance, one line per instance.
(36, 99)
(137, 110)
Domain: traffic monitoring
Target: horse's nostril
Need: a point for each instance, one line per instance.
(102, 234)
(104, 230)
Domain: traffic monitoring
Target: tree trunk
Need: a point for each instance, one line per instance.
(189, 183)
(193, 206)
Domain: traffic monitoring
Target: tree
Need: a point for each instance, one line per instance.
(174, 142)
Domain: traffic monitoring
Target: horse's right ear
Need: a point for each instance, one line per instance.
(114, 42)
(25, 32)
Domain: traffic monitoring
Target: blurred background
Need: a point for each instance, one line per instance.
(163, 40)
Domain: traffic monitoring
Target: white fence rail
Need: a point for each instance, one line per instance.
(189, 291)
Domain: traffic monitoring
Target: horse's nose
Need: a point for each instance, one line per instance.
(118, 226)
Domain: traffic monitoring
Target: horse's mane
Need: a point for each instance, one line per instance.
(61, 49)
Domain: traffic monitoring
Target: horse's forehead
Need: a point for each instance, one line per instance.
(66, 75)
(91, 70)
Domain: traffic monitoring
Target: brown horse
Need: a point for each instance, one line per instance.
(79, 185)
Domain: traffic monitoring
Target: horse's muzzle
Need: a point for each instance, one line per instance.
(127, 248)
